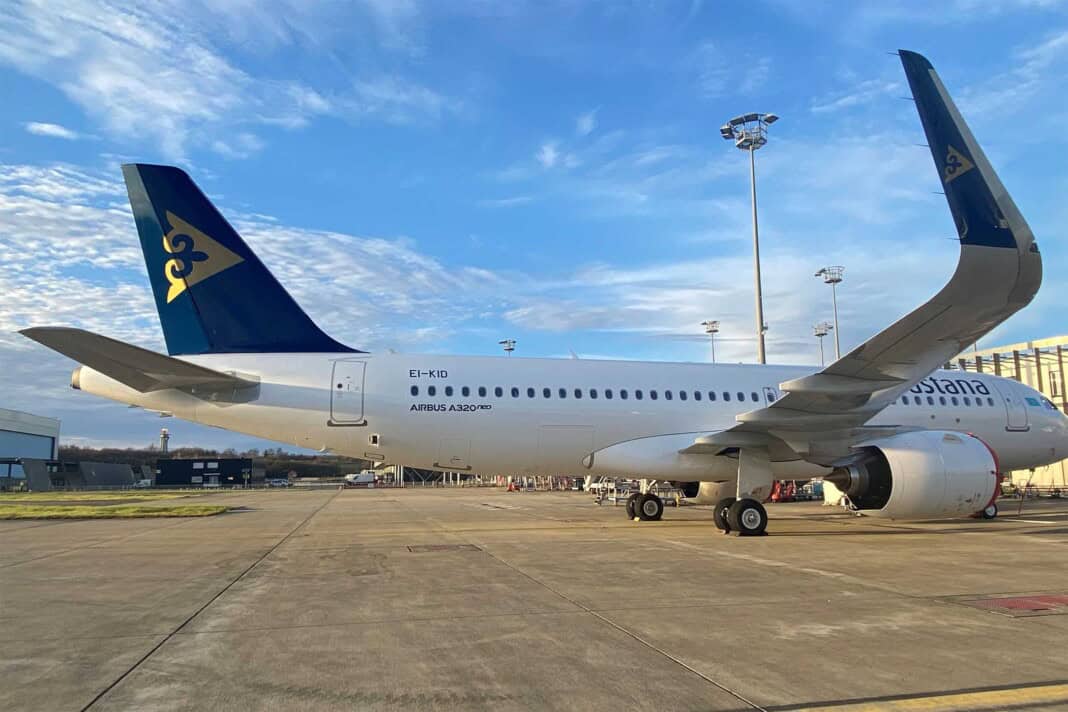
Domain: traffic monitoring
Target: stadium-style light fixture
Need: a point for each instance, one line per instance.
(750, 132)
(833, 276)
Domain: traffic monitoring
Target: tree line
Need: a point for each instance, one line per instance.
(276, 462)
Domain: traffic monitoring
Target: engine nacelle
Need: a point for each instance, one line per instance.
(922, 475)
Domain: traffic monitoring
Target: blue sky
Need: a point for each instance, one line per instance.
(439, 176)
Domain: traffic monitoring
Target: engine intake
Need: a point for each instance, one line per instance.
(921, 475)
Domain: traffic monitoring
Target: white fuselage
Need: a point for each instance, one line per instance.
(498, 415)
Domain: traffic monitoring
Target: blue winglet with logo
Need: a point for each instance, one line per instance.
(984, 213)
(212, 293)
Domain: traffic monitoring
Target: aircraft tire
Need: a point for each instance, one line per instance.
(748, 517)
(719, 512)
(989, 512)
(649, 507)
(632, 505)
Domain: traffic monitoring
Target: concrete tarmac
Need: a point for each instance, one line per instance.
(479, 599)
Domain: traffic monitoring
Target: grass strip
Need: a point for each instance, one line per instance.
(113, 511)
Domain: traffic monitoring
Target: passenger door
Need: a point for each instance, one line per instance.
(346, 393)
(1015, 408)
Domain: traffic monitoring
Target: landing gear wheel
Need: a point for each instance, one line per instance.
(632, 505)
(649, 508)
(719, 512)
(989, 512)
(748, 517)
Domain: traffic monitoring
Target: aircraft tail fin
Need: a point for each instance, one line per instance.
(212, 293)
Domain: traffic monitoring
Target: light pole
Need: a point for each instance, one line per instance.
(820, 330)
(711, 328)
(833, 276)
(749, 132)
(509, 345)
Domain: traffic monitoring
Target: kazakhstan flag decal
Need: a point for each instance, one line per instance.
(194, 256)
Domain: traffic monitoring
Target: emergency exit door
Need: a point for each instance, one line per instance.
(346, 393)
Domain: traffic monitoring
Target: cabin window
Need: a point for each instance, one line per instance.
(990, 401)
(754, 397)
(942, 400)
(515, 392)
(498, 391)
(431, 390)
(930, 400)
(578, 392)
(697, 395)
(563, 393)
(415, 390)
(530, 393)
(711, 395)
(546, 392)
(904, 400)
(726, 395)
(667, 395)
(741, 396)
(623, 393)
(448, 390)
(593, 393)
(953, 400)
(465, 391)
(682, 395)
(638, 394)
(653, 395)
(967, 400)
(482, 391)
(608, 393)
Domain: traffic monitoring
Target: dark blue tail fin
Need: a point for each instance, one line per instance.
(984, 212)
(213, 294)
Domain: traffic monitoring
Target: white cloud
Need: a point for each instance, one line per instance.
(586, 123)
(863, 92)
(40, 128)
(719, 73)
(548, 154)
(506, 202)
(151, 69)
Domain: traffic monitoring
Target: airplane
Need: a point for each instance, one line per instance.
(900, 438)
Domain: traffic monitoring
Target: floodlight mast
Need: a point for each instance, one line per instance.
(833, 276)
(820, 330)
(711, 328)
(508, 344)
(749, 132)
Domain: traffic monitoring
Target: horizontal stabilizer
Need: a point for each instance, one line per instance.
(138, 368)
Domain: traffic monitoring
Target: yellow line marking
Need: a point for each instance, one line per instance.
(985, 700)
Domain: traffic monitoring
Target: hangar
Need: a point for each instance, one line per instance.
(24, 436)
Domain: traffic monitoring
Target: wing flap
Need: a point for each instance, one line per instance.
(143, 370)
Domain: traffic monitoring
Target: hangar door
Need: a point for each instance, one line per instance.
(346, 393)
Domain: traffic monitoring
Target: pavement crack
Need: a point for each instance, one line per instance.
(210, 601)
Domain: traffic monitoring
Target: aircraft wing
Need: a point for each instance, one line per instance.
(138, 368)
(998, 273)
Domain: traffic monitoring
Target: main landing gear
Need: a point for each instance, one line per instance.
(745, 516)
(646, 507)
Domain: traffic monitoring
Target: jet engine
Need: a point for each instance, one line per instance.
(921, 475)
